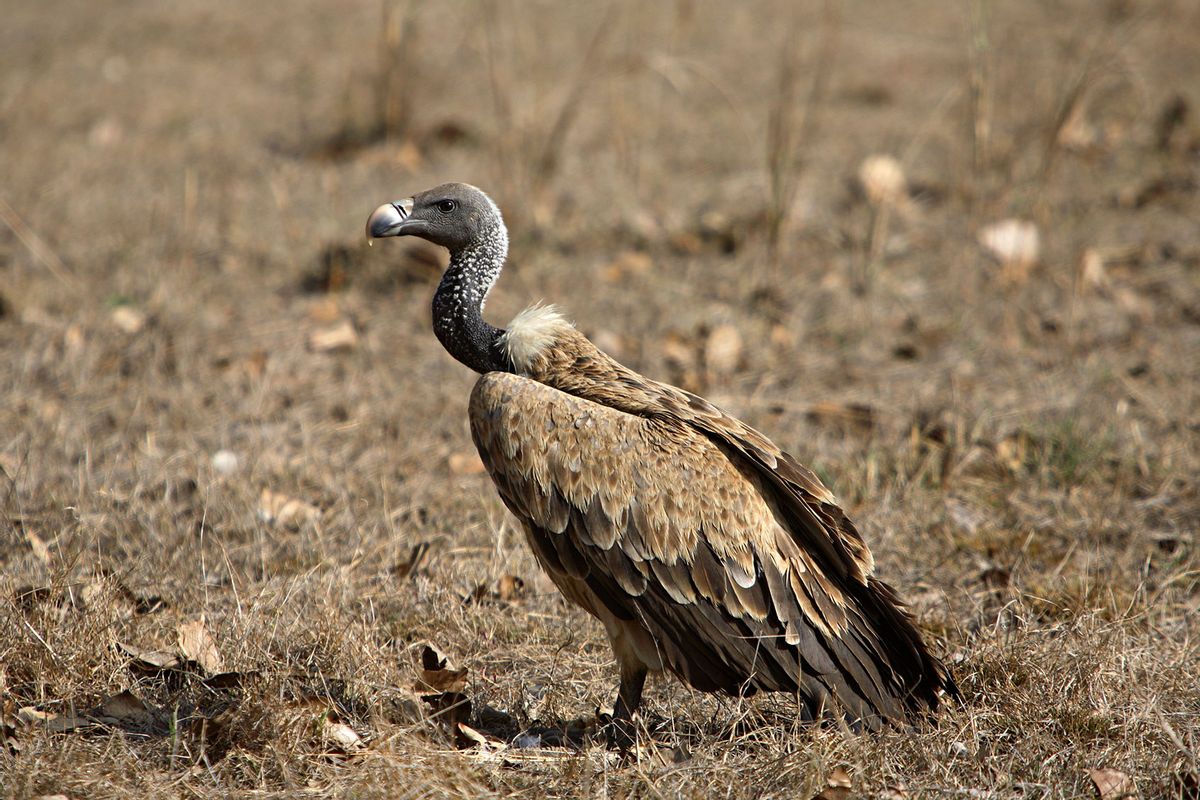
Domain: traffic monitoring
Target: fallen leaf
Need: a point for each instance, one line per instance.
(105, 132)
(149, 660)
(73, 339)
(1015, 244)
(723, 349)
(126, 710)
(417, 558)
(341, 735)
(333, 262)
(685, 243)
(1134, 303)
(470, 737)
(225, 462)
(408, 155)
(681, 356)
(128, 319)
(1094, 263)
(1092, 269)
(255, 364)
(473, 735)
(631, 262)
(510, 588)
(108, 591)
(94, 593)
(123, 710)
(339, 337)
(465, 464)
(677, 352)
(437, 674)
(837, 786)
(196, 644)
(55, 723)
(38, 546)
(1013, 450)
(325, 310)
(839, 778)
(288, 512)
(1111, 784)
(8, 728)
(782, 336)
(1078, 132)
(882, 179)
(642, 225)
(651, 753)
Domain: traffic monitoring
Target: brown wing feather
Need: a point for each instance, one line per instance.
(685, 535)
(813, 517)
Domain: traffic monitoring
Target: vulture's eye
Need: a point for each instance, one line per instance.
(446, 206)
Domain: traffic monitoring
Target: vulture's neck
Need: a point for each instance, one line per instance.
(458, 303)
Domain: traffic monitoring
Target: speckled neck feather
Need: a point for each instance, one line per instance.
(458, 304)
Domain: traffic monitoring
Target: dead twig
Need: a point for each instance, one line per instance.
(36, 245)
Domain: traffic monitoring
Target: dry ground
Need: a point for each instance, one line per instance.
(183, 187)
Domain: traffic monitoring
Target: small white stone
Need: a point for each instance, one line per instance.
(225, 462)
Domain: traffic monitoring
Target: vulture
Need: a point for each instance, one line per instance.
(703, 548)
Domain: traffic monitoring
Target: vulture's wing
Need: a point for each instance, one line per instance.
(683, 532)
(813, 516)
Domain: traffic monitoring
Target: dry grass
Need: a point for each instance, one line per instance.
(1022, 455)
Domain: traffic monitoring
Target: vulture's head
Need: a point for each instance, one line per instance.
(453, 215)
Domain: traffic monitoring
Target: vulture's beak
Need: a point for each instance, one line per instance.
(391, 219)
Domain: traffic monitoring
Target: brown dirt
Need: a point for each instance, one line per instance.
(183, 190)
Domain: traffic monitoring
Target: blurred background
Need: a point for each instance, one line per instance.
(947, 253)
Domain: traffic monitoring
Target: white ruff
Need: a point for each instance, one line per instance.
(531, 332)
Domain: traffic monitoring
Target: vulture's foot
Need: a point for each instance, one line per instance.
(620, 733)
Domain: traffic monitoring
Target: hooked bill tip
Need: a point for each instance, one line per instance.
(383, 220)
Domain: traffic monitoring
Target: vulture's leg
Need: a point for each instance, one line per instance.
(629, 695)
(623, 730)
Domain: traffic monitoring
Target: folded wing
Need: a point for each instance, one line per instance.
(733, 557)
